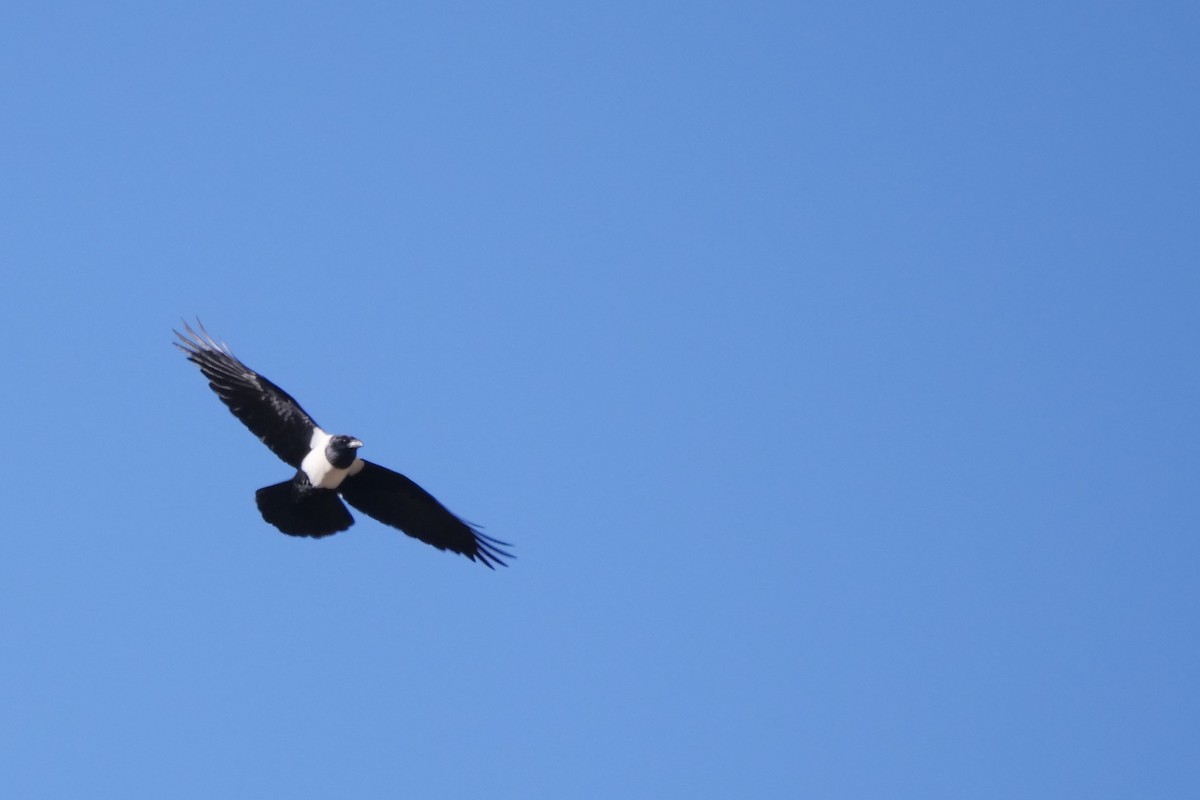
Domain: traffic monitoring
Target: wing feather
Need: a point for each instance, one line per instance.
(269, 412)
(393, 499)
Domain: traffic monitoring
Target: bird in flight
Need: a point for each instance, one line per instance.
(326, 465)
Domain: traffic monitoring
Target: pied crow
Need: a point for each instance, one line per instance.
(326, 465)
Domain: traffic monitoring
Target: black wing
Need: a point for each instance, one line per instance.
(395, 500)
(268, 411)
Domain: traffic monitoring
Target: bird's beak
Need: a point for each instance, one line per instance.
(355, 443)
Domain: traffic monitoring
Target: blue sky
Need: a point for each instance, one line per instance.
(832, 368)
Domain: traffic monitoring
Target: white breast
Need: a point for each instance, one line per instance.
(316, 466)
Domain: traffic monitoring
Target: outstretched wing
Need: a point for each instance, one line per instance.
(268, 411)
(395, 500)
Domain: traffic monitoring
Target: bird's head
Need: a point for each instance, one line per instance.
(341, 450)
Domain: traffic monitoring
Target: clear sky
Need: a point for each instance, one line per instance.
(832, 367)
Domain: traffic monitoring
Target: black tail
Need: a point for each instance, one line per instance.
(297, 509)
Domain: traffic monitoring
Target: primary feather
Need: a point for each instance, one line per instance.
(269, 412)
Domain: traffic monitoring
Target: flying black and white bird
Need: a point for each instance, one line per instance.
(326, 465)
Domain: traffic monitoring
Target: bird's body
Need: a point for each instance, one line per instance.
(327, 465)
